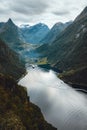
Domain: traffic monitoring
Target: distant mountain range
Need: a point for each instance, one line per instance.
(15, 37)
(16, 110)
(18, 38)
(68, 51)
(55, 31)
(34, 34)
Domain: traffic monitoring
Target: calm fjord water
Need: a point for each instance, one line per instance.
(60, 104)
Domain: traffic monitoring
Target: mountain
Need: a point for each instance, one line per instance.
(34, 34)
(16, 110)
(1, 24)
(56, 29)
(10, 63)
(82, 15)
(68, 52)
(9, 33)
(14, 37)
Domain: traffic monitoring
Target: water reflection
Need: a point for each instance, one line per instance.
(61, 105)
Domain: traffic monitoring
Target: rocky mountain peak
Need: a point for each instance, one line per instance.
(82, 15)
(39, 26)
(85, 10)
(10, 23)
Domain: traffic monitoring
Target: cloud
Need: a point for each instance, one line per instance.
(34, 11)
(61, 13)
(31, 7)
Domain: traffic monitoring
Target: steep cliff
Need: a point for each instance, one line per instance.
(10, 62)
(16, 111)
(68, 52)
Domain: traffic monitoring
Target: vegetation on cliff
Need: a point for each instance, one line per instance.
(69, 50)
(10, 62)
(16, 111)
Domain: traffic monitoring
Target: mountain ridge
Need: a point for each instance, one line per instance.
(68, 50)
(9, 33)
(55, 30)
(16, 110)
(82, 14)
(34, 34)
(10, 62)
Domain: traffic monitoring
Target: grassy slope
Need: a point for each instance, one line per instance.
(10, 63)
(69, 51)
(16, 111)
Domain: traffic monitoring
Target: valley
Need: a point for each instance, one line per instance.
(68, 51)
(43, 75)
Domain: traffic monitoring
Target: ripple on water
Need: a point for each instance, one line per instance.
(61, 105)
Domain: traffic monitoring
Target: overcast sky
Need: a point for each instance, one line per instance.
(45, 11)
